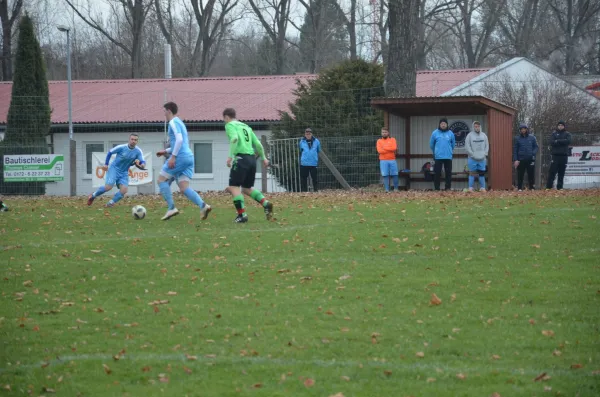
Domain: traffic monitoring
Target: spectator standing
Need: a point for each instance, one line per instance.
(309, 160)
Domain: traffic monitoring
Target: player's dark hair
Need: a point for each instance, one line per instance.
(229, 112)
(385, 129)
(172, 106)
(134, 134)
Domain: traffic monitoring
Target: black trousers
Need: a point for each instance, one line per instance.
(437, 170)
(526, 165)
(559, 165)
(306, 170)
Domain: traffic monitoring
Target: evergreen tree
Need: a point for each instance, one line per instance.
(28, 120)
(323, 36)
(336, 104)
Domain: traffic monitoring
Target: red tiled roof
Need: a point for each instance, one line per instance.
(594, 86)
(255, 98)
(436, 82)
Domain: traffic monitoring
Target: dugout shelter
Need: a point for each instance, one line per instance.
(412, 120)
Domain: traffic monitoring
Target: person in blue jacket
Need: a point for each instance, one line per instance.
(309, 160)
(525, 149)
(442, 145)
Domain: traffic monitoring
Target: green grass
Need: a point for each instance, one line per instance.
(335, 291)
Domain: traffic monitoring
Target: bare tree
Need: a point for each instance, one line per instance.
(349, 19)
(577, 20)
(475, 35)
(401, 73)
(428, 31)
(322, 33)
(8, 20)
(274, 16)
(135, 12)
(212, 19)
(519, 24)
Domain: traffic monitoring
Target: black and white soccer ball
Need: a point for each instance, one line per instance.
(138, 212)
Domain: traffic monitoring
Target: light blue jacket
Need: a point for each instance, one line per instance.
(442, 144)
(309, 154)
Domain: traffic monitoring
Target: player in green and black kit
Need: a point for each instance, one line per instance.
(241, 159)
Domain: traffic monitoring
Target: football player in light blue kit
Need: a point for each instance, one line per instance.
(180, 165)
(127, 154)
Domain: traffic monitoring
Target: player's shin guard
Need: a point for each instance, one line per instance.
(238, 201)
(118, 196)
(395, 178)
(165, 190)
(99, 192)
(482, 182)
(194, 197)
(258, 197)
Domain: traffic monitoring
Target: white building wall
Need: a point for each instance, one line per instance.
(149, 142)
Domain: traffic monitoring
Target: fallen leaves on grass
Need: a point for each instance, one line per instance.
(48, 390)
(420, 354)
(548, 333)
(461, 376)
(163, 378)
(495, 357)
(556, 353)
(191, 358)
(107, 369)
(309, 382)
(158, 302)
(435, 300)
(337, 395)
(118, 356)
(576, 366)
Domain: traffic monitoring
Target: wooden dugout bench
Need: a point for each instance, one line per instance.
(417, 176)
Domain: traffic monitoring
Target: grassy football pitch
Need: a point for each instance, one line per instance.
(342, 294)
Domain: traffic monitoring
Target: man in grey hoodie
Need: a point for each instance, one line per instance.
(478, 147)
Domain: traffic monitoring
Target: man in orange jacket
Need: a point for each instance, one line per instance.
(387, 147)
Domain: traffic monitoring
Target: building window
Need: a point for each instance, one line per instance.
(203, 158)
(89, 149)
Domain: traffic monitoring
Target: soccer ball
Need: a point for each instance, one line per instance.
(138, 212)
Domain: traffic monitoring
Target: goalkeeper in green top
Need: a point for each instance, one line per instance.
(242, 161)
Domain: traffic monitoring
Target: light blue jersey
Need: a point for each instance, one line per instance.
(125, 157)
(178, 139)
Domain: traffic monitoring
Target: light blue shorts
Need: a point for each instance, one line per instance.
(476, 166)
(388, 167)
(116, 177)
(184, 169)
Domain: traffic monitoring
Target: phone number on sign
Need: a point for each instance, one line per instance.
(27, 174)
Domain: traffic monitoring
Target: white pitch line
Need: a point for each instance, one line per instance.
(63, 360)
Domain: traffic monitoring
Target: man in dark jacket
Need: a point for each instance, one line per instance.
(309, 160)
(560, 141)
(525, 149)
